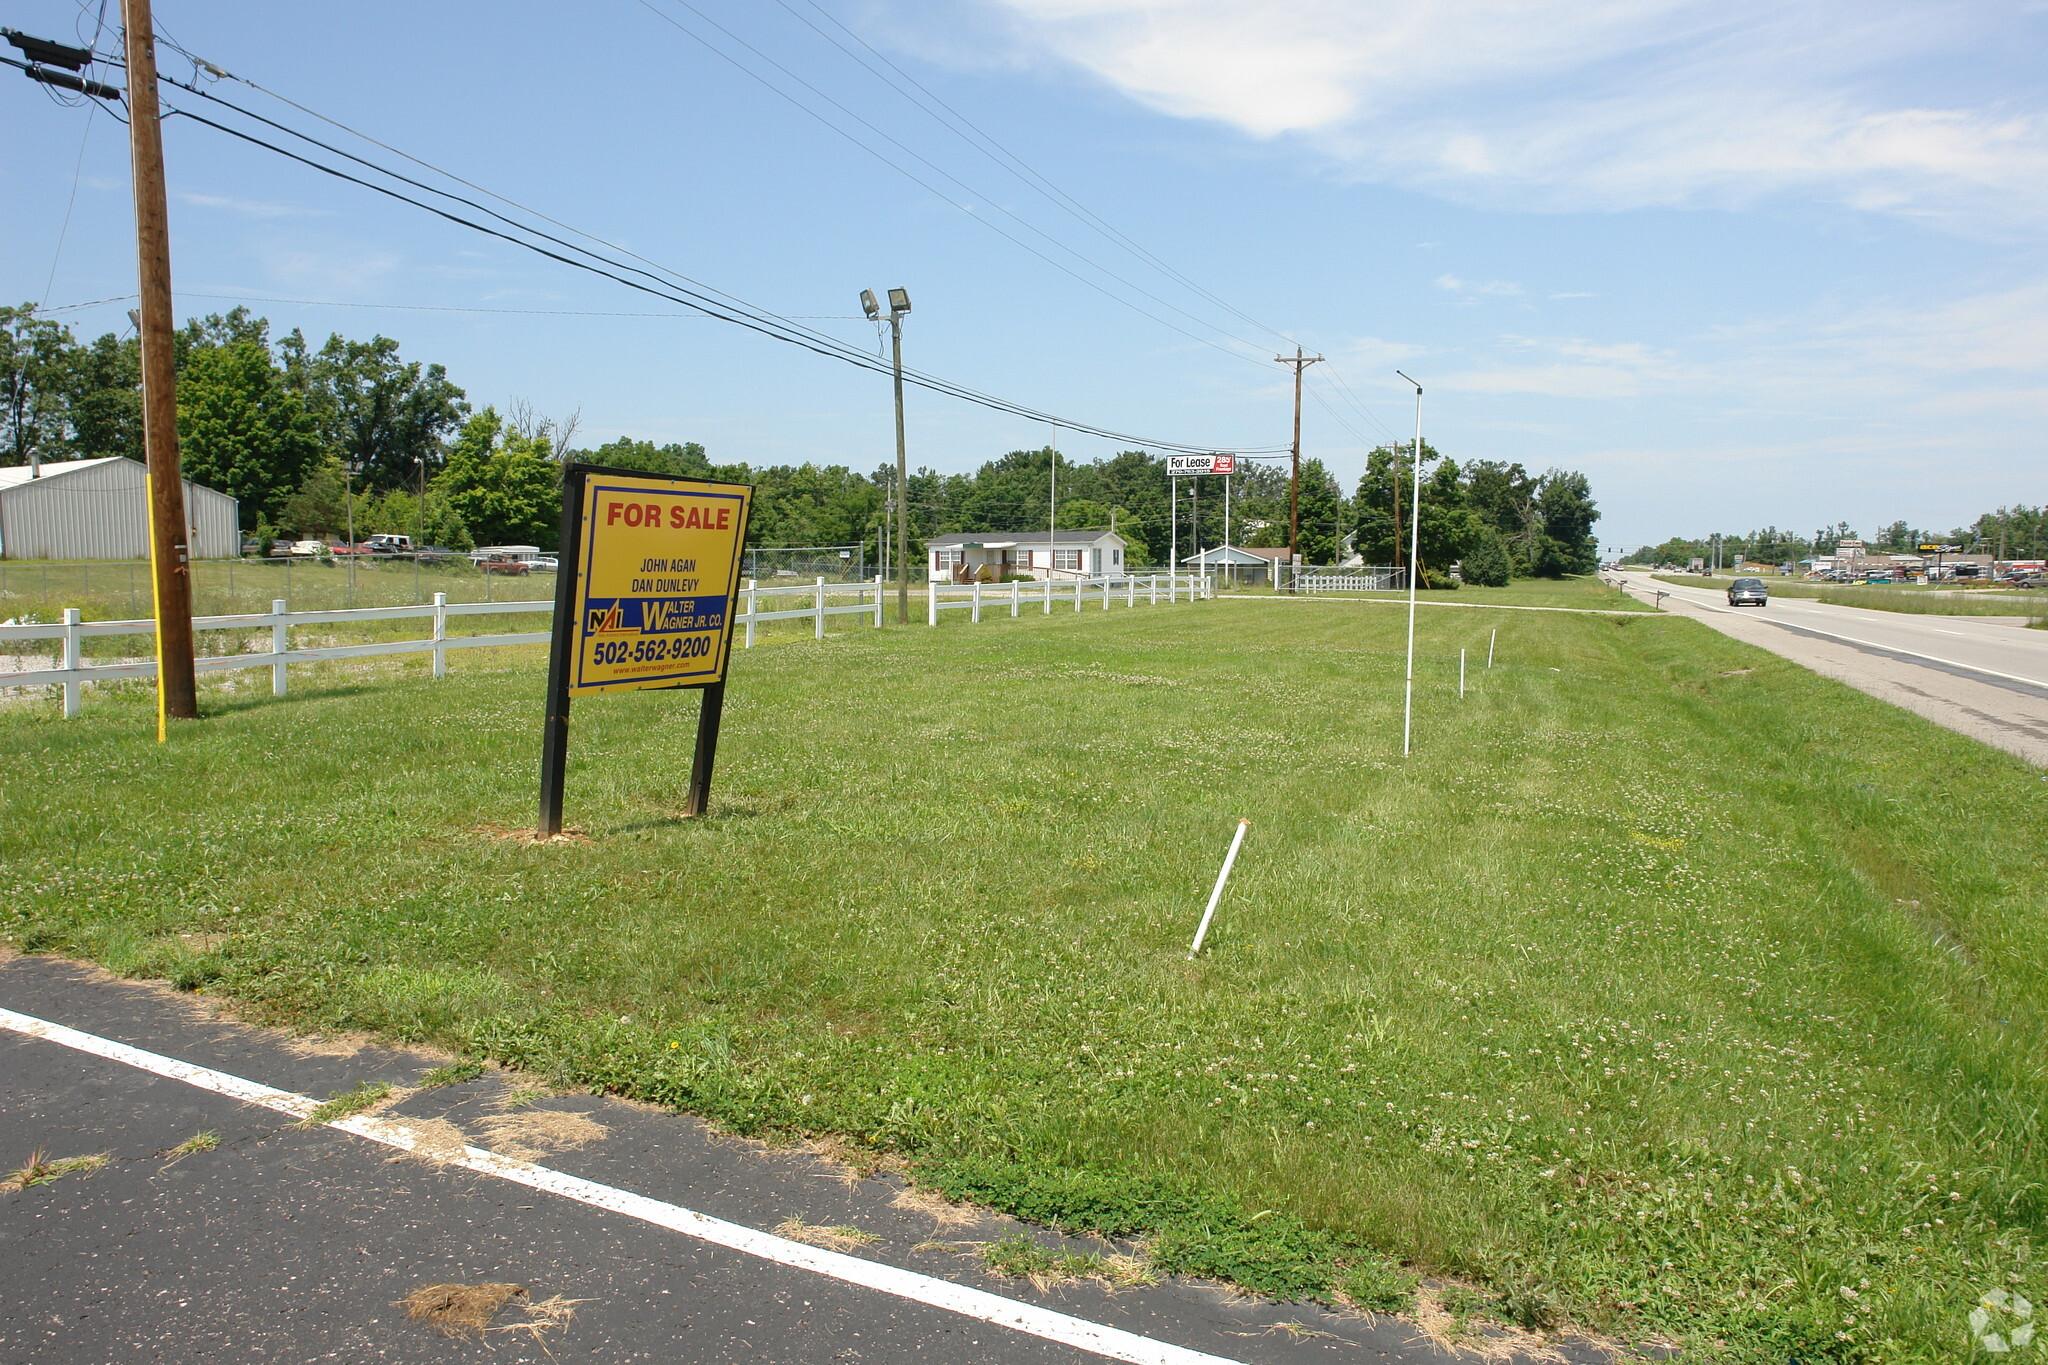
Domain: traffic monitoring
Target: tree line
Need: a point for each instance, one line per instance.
(2016, 532)
(305, 436)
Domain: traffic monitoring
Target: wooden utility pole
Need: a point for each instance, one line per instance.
(169, 550)
(1300, 362)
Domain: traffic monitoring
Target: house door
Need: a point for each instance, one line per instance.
(1095, 562)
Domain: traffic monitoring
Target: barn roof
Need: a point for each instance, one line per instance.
(52, 469)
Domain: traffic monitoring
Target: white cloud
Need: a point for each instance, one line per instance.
(1604, 104)
(1455, 285)
(250, 208)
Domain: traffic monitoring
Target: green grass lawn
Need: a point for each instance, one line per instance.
(1582, 592)
(1667, 989)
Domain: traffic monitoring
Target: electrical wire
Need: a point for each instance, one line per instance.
(77, 172)
(759, 321)
(969, 132)
(926, 185)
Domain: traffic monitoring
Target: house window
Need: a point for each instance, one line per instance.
(1066, 559)
(948, 558)
(1116, 556)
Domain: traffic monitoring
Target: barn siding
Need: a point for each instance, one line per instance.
(101, 512)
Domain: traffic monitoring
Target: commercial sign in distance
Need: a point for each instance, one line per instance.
(1177, 465)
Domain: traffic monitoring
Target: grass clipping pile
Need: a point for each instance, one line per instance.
(464, 1311)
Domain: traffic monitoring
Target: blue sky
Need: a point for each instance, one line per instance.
(1740, 262)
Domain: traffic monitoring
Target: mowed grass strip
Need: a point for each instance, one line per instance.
(1667, 989)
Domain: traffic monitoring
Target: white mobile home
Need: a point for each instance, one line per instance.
(99, 509)
(965, 556)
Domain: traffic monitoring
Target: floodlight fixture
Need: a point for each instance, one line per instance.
(899, 301)
(868, 304)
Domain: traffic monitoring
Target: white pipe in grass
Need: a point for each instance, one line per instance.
(1491, 636)
(1461, 675)
(1202, 930)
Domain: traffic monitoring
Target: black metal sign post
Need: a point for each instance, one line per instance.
(646, 595)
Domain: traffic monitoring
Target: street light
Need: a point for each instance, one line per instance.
(1414, 569)
(899, 307)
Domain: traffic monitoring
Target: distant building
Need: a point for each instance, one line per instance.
(99, 509)
(965, 556)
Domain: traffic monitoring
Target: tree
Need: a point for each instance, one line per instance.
(1566, 504)
(36, 364)
(384, 416)
(1487, 563)
(1448, 526)
(398, 512)
(684, 461)
(504, 486)
(1322, 515)
(318, 508)
(241, 431)
(104, 402)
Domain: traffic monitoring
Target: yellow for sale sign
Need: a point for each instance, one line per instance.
(657, 577)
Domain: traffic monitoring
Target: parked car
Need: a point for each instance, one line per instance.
(309, 549)
(389, 545)
(434, 554)
(503, 565)
(252, 545)
(1748, 592)
(542, 563)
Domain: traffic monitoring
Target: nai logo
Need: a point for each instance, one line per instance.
(2002, 1322)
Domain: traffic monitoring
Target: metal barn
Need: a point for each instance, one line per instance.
(99, 509)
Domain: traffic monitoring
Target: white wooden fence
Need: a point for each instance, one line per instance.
(1375, 578)
(73, 673)
(1016, 595)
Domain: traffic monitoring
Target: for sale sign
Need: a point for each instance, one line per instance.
(1201, 464)
(650, 571)
(657, 568)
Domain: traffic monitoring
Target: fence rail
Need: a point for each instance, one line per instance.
(1016, 594)
(1374, 578)
(72, 631)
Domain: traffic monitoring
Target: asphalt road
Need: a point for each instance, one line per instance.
(1982, 676)
(291, 1242)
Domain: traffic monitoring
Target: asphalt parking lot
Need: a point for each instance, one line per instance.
(279, 1240)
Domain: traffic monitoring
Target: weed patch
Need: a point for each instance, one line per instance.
(344, 1103)
(41, 1170)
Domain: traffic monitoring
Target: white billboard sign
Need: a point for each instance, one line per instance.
(1201, 464)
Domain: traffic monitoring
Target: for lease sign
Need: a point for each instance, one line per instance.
(1201, 464)
(656, 574)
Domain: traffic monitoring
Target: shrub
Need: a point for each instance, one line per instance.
(1486, 564)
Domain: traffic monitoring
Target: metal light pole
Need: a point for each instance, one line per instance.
(1414, 571)
(899, 306)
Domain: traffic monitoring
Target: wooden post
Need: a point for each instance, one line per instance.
(177, 688)
(709, 713)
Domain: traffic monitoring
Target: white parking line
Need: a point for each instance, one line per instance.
(1110, 1342)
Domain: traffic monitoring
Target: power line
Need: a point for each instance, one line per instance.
(740, 314)
(919, 181)
(955, 122)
